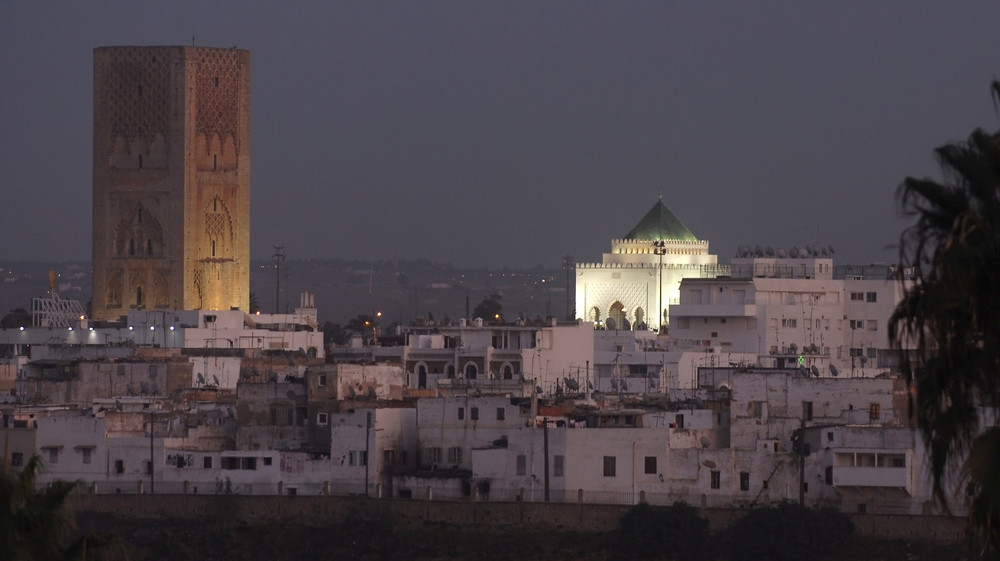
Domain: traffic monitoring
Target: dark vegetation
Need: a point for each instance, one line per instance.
(645, 532)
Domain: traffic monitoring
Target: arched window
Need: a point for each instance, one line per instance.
(138, 296)
(507, 371)
(449, 370)
(471, 371)
(131, 246)
(422, 377)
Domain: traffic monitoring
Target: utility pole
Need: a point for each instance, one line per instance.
(568, 265)
(279, 256)
(659, 248)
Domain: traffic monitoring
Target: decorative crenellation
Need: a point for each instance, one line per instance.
(219, 75)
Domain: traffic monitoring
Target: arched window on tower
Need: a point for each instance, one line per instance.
(213, 248)
(131, 247)
(138, 296)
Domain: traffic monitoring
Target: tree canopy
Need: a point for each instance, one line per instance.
(950, 317)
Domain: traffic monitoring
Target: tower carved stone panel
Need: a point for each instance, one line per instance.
(171, 179)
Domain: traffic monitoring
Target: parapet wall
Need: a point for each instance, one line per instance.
(318, 511)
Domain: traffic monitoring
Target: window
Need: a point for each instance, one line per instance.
(87, 453)
(53, 455)
(873, 412)
(828, 475)
(807, 410)
(322, 418)
(267, 460)
(862, 508)
(871, 297)
(352, 458)
(857, 324)
(461, 413)
(474, 413)
(716, 479)
(362, 458)
(609, 466)
(789, 322)
(558, 466)
(119, 466)
(501, 413)
(522, 464)
(206, 462)
(17, 459)
(454, 455)
(871, 352)
(744, 481)
(679, 419)
(248, 463)
(322, 381)
(650, 465)
(872, 325)
(857, 352)
(857, 297)
(756, 409)
(829, 437)
(434, 455)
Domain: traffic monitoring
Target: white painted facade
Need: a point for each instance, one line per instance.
(790, 312)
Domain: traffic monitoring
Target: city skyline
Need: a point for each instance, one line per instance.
(512, 134)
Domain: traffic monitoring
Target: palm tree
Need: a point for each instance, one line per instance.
(950, 317)
(34, 523)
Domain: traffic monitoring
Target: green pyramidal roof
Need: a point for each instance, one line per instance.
(660, 224)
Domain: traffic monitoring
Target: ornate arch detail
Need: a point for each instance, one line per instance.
(218, 230)
(139, 234)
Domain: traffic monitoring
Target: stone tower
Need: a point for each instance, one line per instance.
(171, 179)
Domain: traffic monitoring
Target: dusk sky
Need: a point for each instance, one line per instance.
(512, 133)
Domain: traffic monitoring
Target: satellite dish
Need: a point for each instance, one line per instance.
(769, 251)
(794, 253)
(590, 386)
(804, 371)
(610, 323)
(793, 347)
(614, 383)
(626, 325)
(215, 379)
(814, 370)
(652, 383)
(623, 385)
(814, 349)
(118, 404)
(824, 251)
(782, 253)
(705, 442)
(350, 390)
(864, 360)
(833, 370)
(371, 392)
(832, 251)
(571, 384)
(758, 251)
(143, 387)
(538, 389)
(201, 379)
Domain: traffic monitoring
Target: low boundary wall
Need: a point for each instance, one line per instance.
(319, 511)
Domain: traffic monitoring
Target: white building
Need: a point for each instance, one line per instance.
(791, 312)
(634, 283)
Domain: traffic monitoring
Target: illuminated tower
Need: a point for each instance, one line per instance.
(171, 179)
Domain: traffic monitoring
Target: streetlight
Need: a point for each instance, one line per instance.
(660, 248)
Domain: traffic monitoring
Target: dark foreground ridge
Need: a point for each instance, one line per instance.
(233, 527)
